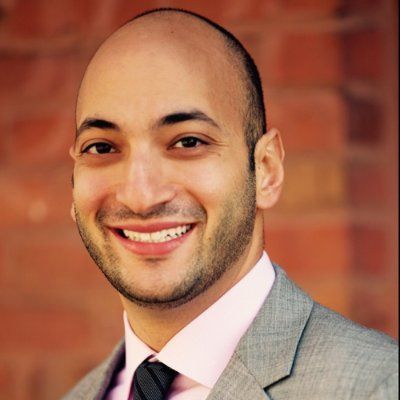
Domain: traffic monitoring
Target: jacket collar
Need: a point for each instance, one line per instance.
(266, 352)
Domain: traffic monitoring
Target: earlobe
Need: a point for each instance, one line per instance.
(269, 155)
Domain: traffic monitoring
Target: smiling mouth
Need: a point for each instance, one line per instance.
(162, 236)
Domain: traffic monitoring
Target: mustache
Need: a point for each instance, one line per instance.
(122, 213)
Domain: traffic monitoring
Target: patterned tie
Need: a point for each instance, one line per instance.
(152, 381)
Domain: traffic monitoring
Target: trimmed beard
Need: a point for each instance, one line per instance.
(210, 261)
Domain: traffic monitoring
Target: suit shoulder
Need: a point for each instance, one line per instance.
(340, 331)
(341, 360)
(347, 350)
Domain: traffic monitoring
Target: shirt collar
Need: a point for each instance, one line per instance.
(136, 351)
(203, 348)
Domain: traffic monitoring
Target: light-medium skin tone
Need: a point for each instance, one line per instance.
(149, 70)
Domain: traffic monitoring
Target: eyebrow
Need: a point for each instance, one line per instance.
(183, 116)
(89, 123)
(170, 119)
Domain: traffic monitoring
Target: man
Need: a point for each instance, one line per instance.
(173, 171)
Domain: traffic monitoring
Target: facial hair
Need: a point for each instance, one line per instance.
(211, 258)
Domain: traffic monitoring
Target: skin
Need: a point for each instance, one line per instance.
(157, 66)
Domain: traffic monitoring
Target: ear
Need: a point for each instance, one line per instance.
(268, 156)
(72, 212)
(72, 153)
(73, 156)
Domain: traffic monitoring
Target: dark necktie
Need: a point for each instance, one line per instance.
(152, 381)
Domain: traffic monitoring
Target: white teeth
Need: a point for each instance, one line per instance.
(158, 236)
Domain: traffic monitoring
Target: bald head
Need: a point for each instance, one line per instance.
(165, 125)
(196, 48)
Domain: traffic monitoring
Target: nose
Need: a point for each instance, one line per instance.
(145, 184)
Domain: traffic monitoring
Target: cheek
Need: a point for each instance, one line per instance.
(90, 190)
(213, 183)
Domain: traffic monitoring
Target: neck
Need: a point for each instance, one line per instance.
(156, 327)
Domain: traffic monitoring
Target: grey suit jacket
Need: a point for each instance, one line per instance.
(294, 349)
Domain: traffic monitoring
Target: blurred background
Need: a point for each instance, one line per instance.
(329, 71)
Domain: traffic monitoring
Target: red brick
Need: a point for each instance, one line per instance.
(5, 124)
(222, 12)
(27, 79)
(310, 250)
(20, 68)
(34, 198)
(108, 325)
(41, 18)
(51, 379)
(372, 304)
(363, 55)
(266, 50)
(23, 365)
(2, 263)
(365, 120)
(41, 255)
(366, 184)
(124, 10)
(309, 120)
(7, 380)
(313, 183)
(41, 138)
(245, 11)
(212, 9)
(76, 282)
(41, 330)
(250, 11)
(311, 7)
(359, 6)
(369, 247)
(333, 292)
(20, 367)
(33, 17)
(303, 58)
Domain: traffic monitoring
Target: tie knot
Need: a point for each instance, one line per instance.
(152, 380)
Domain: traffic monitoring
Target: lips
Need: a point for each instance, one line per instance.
(153, 239)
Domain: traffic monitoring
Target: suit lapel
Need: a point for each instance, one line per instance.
(237, 382)
(106, 372)
(266, 352)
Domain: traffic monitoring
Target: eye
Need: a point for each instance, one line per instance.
(189, 142)
(99, 148)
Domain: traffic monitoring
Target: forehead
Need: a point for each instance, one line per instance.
(148, 69)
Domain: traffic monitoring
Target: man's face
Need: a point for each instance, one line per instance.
(163, 197)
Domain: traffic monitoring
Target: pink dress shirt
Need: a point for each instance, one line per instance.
(201, 350)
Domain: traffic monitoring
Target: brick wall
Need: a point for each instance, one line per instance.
(329, 71)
